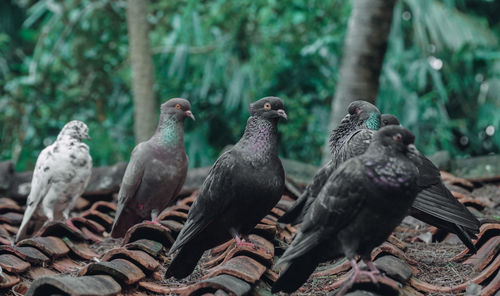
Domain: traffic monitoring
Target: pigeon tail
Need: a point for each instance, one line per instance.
(123, 223)
(190, 230)
(185, 261)
(297, 215)
(296, 273)
(294, 212)
(465, 238)
(21, 233)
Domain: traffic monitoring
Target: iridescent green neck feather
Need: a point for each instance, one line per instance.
(373, 121)
(170, 131)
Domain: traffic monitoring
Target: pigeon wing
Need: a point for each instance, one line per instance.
(216, 194)
(130, 184)
(40, 185)
(337, 204)
(296, 212)
(356, 144)
(436, 200)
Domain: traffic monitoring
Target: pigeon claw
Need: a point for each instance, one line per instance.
(157, 222)
(69, 222)
(358, 274)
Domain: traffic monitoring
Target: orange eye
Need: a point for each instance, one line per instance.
(397, 137)
(178, 107)
(267, 106)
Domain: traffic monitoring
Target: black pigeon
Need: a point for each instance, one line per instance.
(434, 204)
(361, 115)
(241, 188)
(156, 171)
(357, 209)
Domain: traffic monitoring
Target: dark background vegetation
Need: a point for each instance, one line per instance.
(69, 59)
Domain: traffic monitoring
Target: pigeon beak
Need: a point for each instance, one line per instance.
(414, 154)
(190, 114)
(281, 113)
(86, 137)
(412, 149)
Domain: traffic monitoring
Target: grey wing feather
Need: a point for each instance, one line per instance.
(131, 179)
(435, 199)
(206, 207)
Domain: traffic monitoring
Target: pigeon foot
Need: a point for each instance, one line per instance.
(372, 267)
(358, 274)
(69, 222)
(155, 221)
(245, 241)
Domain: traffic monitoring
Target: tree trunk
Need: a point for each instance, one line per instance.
(142, 70)
(364, 49)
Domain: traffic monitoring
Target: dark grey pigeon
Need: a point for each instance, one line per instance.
(243, 185)
(361, 115)
(362, 202)
(156, 171)
(434, 204)
(61, 174)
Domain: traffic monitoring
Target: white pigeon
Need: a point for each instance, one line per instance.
(60, 176)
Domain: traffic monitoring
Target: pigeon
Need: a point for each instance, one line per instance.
(156, 171)
(243, 185)
(434, 204)
(363, 200)
(361, 115)
(388, 119)
(61, 174)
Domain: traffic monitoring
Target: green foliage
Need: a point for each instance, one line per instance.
(222, 55)
(437, 75)
(73, 69)
(68, 59)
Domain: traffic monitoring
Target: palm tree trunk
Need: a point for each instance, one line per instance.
(364, 49)
(142, 70)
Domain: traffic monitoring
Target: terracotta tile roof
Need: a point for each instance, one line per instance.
(60, 260)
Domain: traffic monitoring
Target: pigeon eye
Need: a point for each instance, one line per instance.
(397, 137)
(178, 107)
(267, 106)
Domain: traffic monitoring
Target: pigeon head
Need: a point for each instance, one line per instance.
(365, 114)
(180, 108)
(74, 129)
(396, 138)
(269, 108)
(389, 119)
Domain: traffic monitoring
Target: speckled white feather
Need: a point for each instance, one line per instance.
(61, 175)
